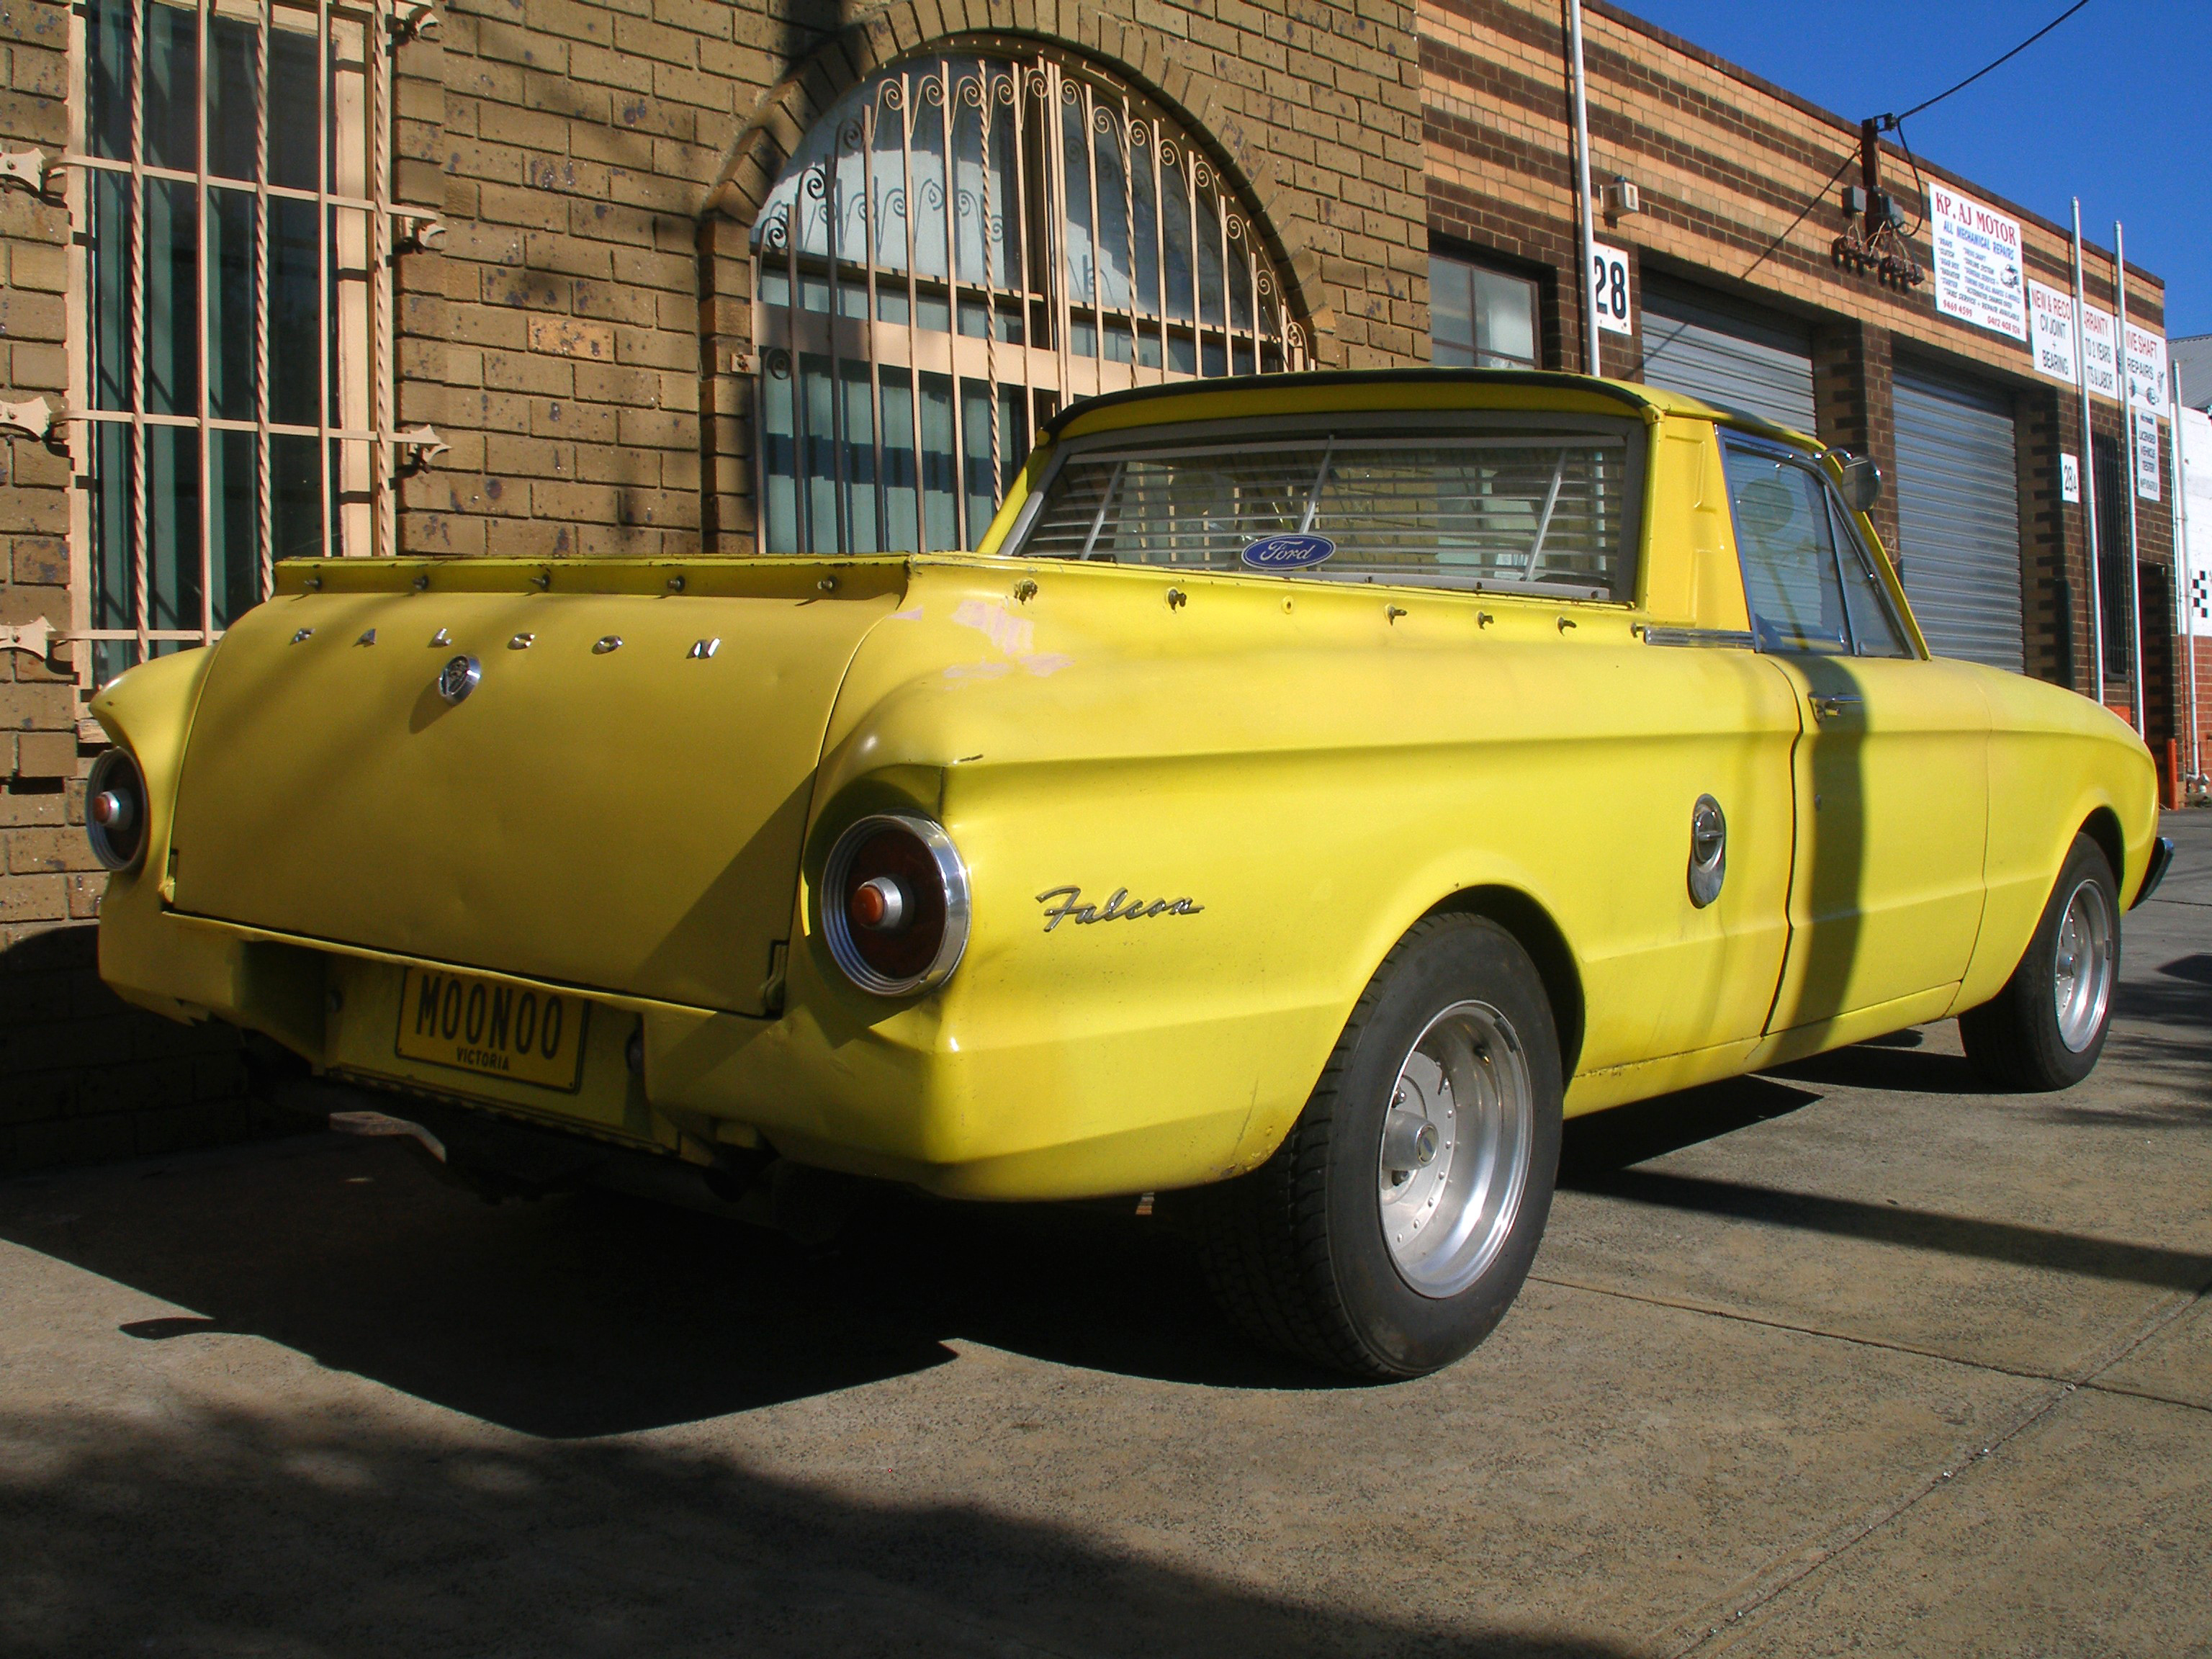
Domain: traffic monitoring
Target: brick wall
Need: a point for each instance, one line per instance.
(575, 336)
(1726, 165)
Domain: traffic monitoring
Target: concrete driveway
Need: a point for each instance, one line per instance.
(1851, 1357)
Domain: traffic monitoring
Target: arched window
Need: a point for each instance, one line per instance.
(1001, 235)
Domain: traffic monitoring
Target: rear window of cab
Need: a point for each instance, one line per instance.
(1488, 501)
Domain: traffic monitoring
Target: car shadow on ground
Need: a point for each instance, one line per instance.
(595, 1314)
(338, 1534)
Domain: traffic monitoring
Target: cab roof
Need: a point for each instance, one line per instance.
(1629, 394)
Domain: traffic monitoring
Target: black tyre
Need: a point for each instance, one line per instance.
(2046, 1028)
(1394, 1226)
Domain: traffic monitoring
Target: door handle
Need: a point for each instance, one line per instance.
(1827, 705)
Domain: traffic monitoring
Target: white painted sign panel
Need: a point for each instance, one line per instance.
(2196, 446)
(2050, 337)
(1978, 277)
(2069, 478)
(2147, 468)
(1609, 277)
(2099, 351)
(2146, 371)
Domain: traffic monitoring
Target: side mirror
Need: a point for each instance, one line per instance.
(1861, 481)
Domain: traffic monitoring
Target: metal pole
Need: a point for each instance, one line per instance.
(1582, 186)
(2088, 465)
(2184, 623)
(2128, 429)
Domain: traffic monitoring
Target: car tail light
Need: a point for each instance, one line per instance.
(115, 810)
(895, 904)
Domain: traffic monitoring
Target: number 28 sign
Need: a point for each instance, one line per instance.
(1610, 280)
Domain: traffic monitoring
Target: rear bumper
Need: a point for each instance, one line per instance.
(2161, 855)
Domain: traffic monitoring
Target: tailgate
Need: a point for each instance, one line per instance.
(625, 819)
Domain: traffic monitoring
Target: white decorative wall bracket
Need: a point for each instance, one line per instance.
(420, 230)
(419, 448)
(26, 169)
(34, 418)
(36, 637)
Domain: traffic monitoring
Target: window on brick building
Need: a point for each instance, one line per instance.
(1002, 235)
(1479, 317)
(231, 368)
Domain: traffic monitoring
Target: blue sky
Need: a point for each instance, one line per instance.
(2114, 106)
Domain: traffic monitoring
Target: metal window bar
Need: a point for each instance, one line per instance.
(354, 416)
(1028, 112)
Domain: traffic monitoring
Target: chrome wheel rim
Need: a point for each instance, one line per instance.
(1457, 1138)
(2082, 965)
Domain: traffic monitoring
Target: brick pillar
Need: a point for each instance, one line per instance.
(1851, 362)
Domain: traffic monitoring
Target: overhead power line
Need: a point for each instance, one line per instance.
(1889, 122)
(1894, 123)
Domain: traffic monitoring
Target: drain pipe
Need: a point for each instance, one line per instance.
(2128, 475)
(1588, 230)
(2089, 468)
(2184, 624)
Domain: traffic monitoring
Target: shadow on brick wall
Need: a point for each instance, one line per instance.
(86, 1078)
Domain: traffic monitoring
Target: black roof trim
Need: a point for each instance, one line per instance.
(1547, 379)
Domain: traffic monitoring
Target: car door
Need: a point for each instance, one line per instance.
(1890, 767)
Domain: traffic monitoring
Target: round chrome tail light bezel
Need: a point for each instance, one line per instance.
(952, 883)
(118, 841)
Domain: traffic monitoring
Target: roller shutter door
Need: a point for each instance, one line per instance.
(1958, 516)
(1729, 355)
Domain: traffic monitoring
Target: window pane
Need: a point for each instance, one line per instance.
(779, 442)
(939, 471)
(234, 525)
(114, 592)
(1875, 630)
(173, 527)
(294, 109)
(1782, 539)
(902, 502)
(1505, 319)
(173, 296)
(232, 95)
(107, 111)
(1452, 312)
(1548, 510)
(173, 87)
(297, 527)
(295, 268)
(108, 275)
(230, 305)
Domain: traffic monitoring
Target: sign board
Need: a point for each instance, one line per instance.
(2195, 448)
(2069, 478)
(2146, 371)
(1978, 277)
(2099, 353)
(1609, 282)
(2146, 446)
(2051, 332)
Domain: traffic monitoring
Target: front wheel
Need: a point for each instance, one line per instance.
(2046, 1028)
(1394, 1225)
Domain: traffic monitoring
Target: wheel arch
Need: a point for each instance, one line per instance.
(2103, 827)
(1534, 929)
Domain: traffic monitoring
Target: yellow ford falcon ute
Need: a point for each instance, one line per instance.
(1312, 789)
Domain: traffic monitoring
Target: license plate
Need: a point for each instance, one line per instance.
(493, 1029)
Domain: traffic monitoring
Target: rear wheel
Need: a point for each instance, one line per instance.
(1394, 1226)
(2046, 1029)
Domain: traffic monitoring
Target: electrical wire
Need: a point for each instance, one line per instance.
(1919, 184)
(1811, 202)
(1895, 123)
(1889, 122)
